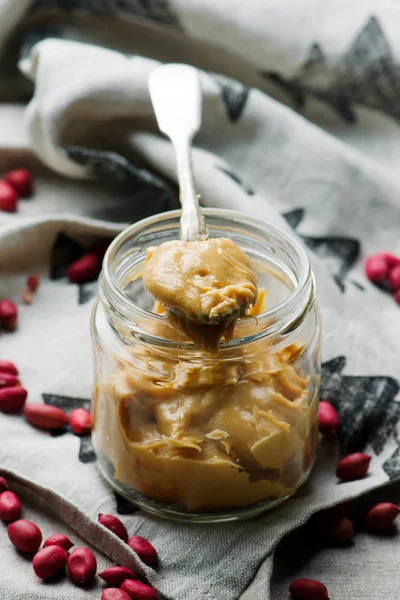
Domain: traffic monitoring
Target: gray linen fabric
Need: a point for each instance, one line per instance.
(100, 163)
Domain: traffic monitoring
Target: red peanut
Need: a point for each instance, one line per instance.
(8, 367)
(308, 589)
(12, 399)
(82, 566)
(84, 269)
(45, 416)
(328, 420)
(146, 552)
(353, 466)
(10, 506)
(21, 181)
(394, 278)
(116, 575)
(32, 282)
(341, 530)
(381, 516)
(59, 539)
(8, 315)
(25, 535)
(8, 380)
(49, 561)
(138, 590)
(114, 594)
(80, 421)
(391, 259)
(115, 525)
(8, 197)
(3, 484)
(376, 268)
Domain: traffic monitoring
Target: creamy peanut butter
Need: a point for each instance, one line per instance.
(206, 433)
(205, 287)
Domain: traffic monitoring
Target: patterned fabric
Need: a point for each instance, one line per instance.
(99, 162)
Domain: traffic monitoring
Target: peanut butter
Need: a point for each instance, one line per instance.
(205, 287)
(206, 433)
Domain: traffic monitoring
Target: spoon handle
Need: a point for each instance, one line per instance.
(176, 97)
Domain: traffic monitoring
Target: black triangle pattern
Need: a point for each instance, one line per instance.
(237, 180)
(124, 507)
(368, 411)
(234, 95)
(67, 404)
(340, 253)
(87, 291)
(366, 75)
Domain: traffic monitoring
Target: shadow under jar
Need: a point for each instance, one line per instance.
(198, 437)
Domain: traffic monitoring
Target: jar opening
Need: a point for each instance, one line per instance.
(276, 254)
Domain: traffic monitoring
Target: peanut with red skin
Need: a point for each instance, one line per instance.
(49, 561)
(10, 507)
(394, 278)
(391, 259)
(138, 590)
(308, 589)
(21, 181)
(8, 197)
(25, 535)
(114, 594)
(8, 380)
(381, 516)
(8, 315)
(115, 525)
(84, 269)
(32, 282)
(8, 367)
(145, 551)
(340, 530)
(116, 575)
(58, 539)
(353, 466)
(328, 420)
(45, 416)
(80, 421)
(376, 268)
(82, 566)
(3, 484)
(12, 399)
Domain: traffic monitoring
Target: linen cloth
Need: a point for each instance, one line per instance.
(91, 139)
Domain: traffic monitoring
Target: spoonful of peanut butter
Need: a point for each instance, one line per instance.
(204, 284)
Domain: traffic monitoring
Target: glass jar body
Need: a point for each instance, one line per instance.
(205, 438)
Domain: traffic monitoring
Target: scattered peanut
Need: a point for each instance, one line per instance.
(114, 594)
(8, 367)
(49, 561)
(138, 590)
(146, 552)
(59, 539)
(381, 516)
(82, 566)
(45, 416)
(8, 197)
(308, 589)
(84, 269)
(8, 315)
(10, 507)
(21, 181)
(340, 530)
(12, 399)
(328, 420)
(353, 466)
(80, 421)
(116, 575)
(115, 525)
(25, 535)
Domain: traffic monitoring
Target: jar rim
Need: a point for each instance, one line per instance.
(280, 318)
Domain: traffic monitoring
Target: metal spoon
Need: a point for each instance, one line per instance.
(176, 97)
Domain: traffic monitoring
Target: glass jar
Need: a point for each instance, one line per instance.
(192, 436)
